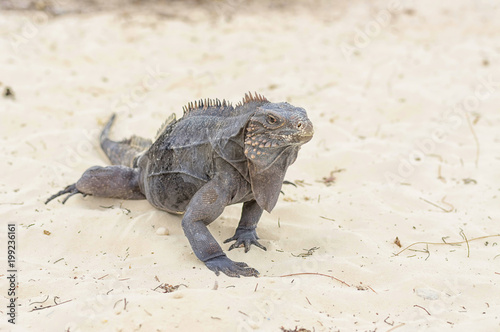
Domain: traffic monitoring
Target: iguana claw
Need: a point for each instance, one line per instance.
(245, 237)
(230, 268)
(71, 190)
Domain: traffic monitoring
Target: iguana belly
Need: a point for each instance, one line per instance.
(171, 191)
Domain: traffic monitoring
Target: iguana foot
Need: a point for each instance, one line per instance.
(71, 190)
(230, 268)
(245, 237)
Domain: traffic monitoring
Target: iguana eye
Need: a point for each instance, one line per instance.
(271, 119)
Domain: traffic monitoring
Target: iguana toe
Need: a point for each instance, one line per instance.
(230, 268)
(246, 243)
(71, 190)
(245, 237)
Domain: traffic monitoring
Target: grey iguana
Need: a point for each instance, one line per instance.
(214, 156)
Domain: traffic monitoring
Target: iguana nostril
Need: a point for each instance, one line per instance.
(299, 125)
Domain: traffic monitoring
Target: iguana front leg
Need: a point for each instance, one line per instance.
(205, 206)
(245, 233)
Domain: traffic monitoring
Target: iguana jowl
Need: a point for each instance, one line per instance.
(214, 156)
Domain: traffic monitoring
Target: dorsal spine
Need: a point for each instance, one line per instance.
(249, 98)
(204, 104)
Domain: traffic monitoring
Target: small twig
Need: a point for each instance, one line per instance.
(257, 285)
(302, 183)
(465, 238)
(446, 243)
(315, 273)
(124, 208)
(103, 277)
(32, 146)
(308, 301)
(440, 177)
(117, 303)
(451, 206)
(41, 302)
(451, 244)
(396, 327)
(327, 218)
(372, 289)
(469, 180)
(434, 204)
(50, 306)
(308, 252)
(425, 251)
(428, 313)
(329, 180)
(167, 288)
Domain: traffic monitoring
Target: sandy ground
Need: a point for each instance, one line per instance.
(404, 97)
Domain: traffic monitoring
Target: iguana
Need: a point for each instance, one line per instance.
(214, 156)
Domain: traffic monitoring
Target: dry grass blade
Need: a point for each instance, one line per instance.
(447, 243)
(315, 273)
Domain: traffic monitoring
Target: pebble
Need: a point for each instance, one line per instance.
(427, 293)
(162, 231)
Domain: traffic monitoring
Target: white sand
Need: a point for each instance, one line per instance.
(384, 117)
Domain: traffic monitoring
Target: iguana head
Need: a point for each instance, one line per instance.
(275, 126)
(273, 138)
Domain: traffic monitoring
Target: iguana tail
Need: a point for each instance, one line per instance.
(123, 152)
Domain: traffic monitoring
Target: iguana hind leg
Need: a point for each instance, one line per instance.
(123, 152)
(111, 181)
(71, 190)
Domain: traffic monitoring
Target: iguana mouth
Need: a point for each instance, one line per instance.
(306, 131)
(303, 135)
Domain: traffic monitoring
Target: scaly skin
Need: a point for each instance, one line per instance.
(214, 156)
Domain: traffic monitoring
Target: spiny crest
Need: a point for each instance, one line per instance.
(249, 98)
(165, 124)
(204, 104)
